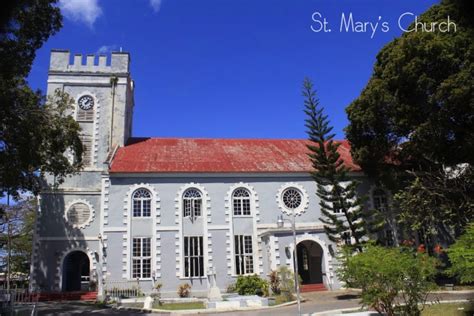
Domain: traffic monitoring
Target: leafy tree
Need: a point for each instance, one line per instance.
(344, 217)
(35, 132)
(385, 274)
(437, 206)
(461, 256)
(16, 238)
(415, 119)
(417, 109)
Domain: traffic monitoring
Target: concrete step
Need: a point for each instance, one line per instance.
(313, 287)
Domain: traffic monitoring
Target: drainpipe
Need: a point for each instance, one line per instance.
(113, 82)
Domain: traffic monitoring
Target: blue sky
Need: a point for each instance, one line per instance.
(231, 69)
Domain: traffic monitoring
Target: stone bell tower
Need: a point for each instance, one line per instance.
(103, 94)
(69, 225)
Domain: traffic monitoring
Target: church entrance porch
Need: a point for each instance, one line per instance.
(76, 272)
(310, 258)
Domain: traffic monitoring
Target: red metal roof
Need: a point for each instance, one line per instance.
(192, 155)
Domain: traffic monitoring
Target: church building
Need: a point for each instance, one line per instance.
(173, 210)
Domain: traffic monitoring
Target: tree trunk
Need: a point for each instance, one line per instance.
(7, 220)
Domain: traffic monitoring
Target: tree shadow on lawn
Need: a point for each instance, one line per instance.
(348, 296)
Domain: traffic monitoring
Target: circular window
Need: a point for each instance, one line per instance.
(292, 198)
(78, 214)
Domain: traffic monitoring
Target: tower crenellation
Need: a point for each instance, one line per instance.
(117, 62)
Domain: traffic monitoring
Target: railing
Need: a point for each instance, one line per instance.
(18, 302)
(15, 296)
(122, 289)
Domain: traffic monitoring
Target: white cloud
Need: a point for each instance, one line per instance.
(85, 11)
(105, 49)
(156, 5)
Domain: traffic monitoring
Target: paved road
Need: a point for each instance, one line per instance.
(315, 302)
(324, 301)
(81, 308)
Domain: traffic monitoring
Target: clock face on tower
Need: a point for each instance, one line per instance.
(86, 102)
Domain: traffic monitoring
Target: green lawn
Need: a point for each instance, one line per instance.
(455, 309)
(281, 299)
(178, 306)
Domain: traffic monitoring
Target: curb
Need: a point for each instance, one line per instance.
(453, 292)
(204, 311)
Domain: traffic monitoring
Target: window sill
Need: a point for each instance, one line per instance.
(247, 274)
(242, 216)
(193, 278)
(90, 169)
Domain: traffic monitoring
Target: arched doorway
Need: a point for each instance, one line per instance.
(76, 272)
(310, 259)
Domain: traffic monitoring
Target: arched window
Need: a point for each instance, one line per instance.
(241, 202)
(192, 203)
(291, 198)
(380, 200)
(141, 203)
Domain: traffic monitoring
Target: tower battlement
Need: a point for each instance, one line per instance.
(118, 62)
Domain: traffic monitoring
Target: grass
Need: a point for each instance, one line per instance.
(281, 299)
(463, 287)
(455, 309)
(171, 306)
(180, 306)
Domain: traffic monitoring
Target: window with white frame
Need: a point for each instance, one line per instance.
(141, 258)
(86, 149)
(380, 200)
(193, 256)
(304, 253)
(346, 237)
(241, 202)
(192, 203)
(141, 203)
(381, 203)
(243, 250)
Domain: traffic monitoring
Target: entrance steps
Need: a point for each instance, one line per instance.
(67, 296)
(317, 287)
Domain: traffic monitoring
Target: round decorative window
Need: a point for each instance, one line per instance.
(78, 214)
(291, 198)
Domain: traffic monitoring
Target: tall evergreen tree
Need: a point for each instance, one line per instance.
(342, 208)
